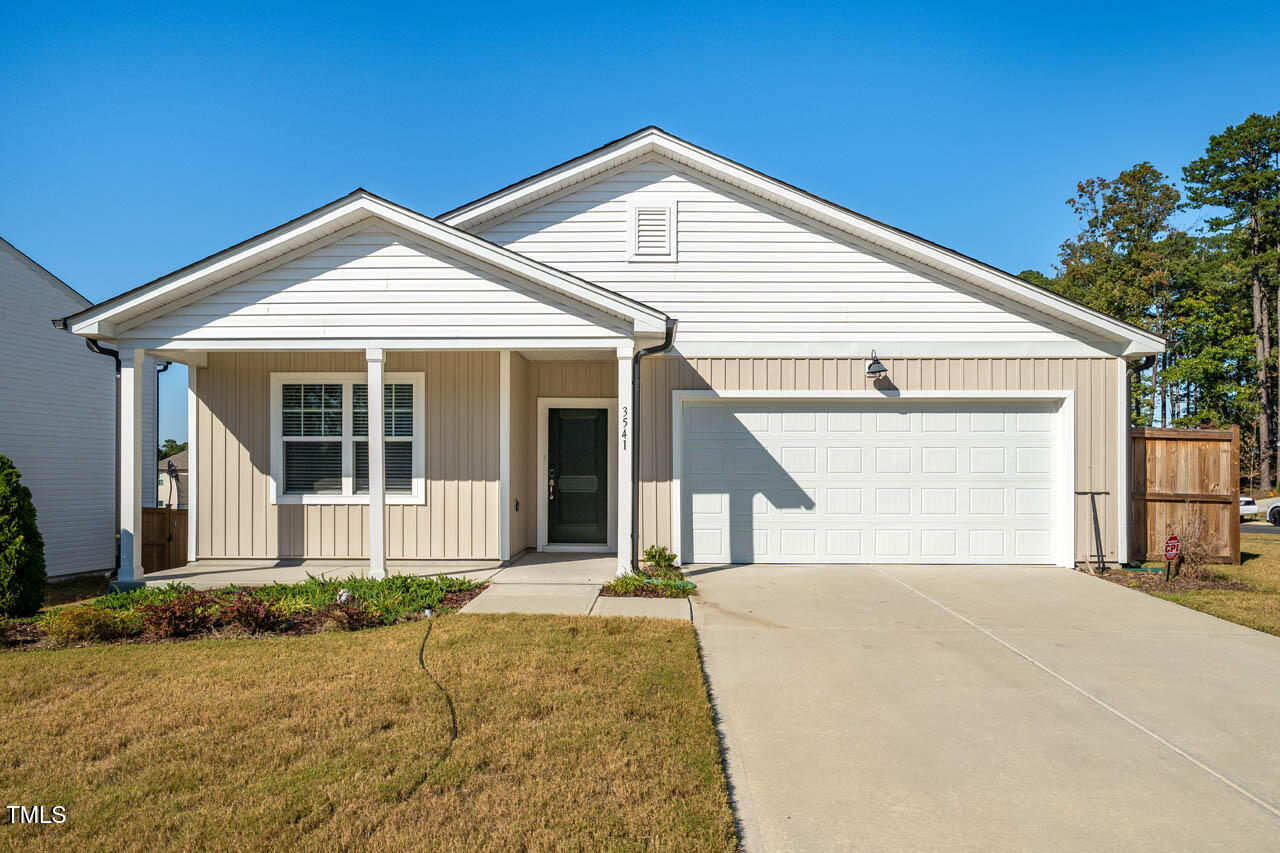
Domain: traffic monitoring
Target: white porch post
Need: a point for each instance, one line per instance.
(131, 378)
(626, 439)
(504, 455)
(193, 462)
(377, 480)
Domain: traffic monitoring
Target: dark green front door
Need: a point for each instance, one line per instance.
(577, 475)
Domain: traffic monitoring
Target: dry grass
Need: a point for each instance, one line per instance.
(1257, 607)
(575, 733)
(74, 591)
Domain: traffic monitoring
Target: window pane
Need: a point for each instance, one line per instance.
(311, 410)
(398, 457)
(360, 469)
(397, 418)
(399, 462)
(313, 467)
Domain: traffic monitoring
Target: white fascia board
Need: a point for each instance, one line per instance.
(652, 141)
(642, 317)
(337, 344)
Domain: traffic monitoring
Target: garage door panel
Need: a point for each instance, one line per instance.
(868, 482)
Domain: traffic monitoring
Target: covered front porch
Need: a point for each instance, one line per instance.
(498, 375)
(484, 455)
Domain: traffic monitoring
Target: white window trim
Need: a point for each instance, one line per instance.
(419, 493)
(672, 230)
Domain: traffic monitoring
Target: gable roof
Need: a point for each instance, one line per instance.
(103, 319)
(39, 270)
(653, 141)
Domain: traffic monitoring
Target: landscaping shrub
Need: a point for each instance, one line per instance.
(252, 613)
(350, 616)
(1193, 562)
(189, 612)
(85, 623)
(662, 563)
(625, 585)
(22, 574)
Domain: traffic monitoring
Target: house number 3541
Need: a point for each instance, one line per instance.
(623, 422)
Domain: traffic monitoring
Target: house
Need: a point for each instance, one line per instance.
(58, 417)
(502, 336)
(171, 481)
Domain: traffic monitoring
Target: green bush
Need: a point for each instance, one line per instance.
(22, 575)
(85, 623)
(661, 561)
(625, 585)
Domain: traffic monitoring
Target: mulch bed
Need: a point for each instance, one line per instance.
(1149, 581)
(646, 591)
(27, 635)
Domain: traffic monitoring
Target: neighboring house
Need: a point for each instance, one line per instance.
(502, 333)
(58, 416)
(171, 481)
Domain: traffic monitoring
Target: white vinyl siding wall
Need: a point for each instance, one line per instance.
(376, 283)
(57, 420)
(747, 273)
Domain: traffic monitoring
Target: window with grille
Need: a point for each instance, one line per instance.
(321, 446)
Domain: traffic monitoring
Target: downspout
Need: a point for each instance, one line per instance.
(635, 433)
(94, 346)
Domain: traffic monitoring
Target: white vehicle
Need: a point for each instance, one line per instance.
(1249, 507)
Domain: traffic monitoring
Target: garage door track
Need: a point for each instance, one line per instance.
(986, 708)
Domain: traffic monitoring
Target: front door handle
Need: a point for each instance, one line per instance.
(551, 486)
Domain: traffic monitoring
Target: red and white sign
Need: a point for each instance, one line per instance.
(1172, 548)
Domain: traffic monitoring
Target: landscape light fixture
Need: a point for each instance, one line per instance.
(875, 367)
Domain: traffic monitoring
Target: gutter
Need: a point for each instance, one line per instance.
(635, 433)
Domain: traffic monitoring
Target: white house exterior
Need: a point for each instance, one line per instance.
(502, 335)
(57, 417)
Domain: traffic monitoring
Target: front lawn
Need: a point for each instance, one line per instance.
(574, 733)
(1254, 602)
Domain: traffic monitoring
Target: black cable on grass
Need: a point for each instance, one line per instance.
(453, 714)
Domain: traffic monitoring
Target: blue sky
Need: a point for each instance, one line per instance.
(137, 141)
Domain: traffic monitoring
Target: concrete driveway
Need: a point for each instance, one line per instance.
(987, 708)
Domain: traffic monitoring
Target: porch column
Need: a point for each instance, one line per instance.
(377, 480)
(131, 378)
(626, 438)
(193, 460)
(504, 455)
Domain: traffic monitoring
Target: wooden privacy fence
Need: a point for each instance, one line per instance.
(164, 538)
(1181, 480)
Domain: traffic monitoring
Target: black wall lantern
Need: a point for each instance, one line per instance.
(875, 367)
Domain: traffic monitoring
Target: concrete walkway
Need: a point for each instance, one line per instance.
(986, 708)
(569, 584)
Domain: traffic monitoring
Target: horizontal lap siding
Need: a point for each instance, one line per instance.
(237, 518)
(1093, 381)
(745, 271)
(375, 283)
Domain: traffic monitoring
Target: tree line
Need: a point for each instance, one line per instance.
(1213, 291)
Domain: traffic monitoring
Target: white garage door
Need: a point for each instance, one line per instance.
(868, 482)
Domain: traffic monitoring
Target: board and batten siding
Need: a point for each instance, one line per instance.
(377, 283)
(747, 272)
(459, 520)
(1093, 381)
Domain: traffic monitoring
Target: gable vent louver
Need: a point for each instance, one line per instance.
(653, 231)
